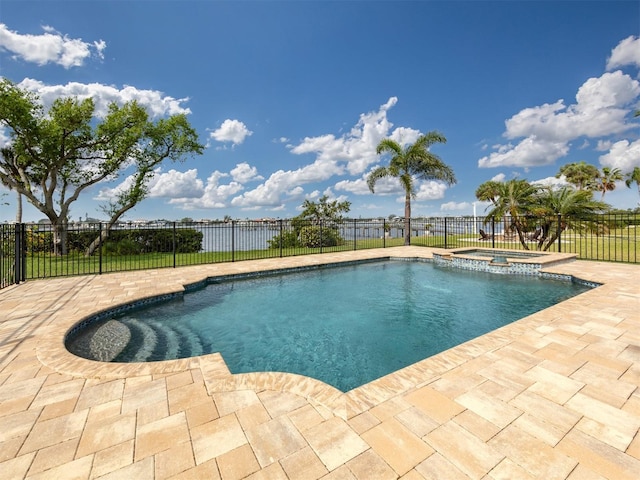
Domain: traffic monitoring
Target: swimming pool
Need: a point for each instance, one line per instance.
(345, 326)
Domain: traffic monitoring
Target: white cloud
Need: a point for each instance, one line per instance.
(624, 155)
(384, 186)
(156, 104)
(243, 173)
(279, 184)
(357, 187)
(49, 47)
(174, 184)
(598, 111)
(357, 148)
(352, 153)
(404, 135)
(529, 152)
(108, 194)
(603, 145)
(455, 206)
(425, 190)
(215, 195)
(333, 157)
(602, 105)
(627, 52)
(552, 182)
(332, 196)
(233, 131)
(499, 177)
(430, 190)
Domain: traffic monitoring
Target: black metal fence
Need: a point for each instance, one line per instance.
(31, 251)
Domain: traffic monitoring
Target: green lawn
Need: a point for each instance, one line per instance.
(616, 246)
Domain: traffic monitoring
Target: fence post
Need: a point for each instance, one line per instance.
(355, 234)
(409, 230)
(23, 227)
(173, 247)
(233, 240)
(100, 249)
(320, 236)
(493, 232)
(16, 254)
(281, 237)
(445, 232)
(19, 258)
(559, 233)
(384, 233)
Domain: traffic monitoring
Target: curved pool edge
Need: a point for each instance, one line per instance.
(52, 353)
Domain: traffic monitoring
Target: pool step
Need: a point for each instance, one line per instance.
(143, 335)
(190, 342)
(168, 344)
(154, 341)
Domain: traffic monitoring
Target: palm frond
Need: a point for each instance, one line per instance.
(375, 175)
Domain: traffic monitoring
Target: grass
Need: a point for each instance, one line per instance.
(45, 265)
(618, 246)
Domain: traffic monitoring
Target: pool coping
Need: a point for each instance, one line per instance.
(52, 352)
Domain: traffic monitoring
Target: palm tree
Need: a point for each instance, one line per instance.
(574, 207)
(606, 180)
(488, 192)
(582, 175)
(514, 198)
(408, 163)
(632, 177)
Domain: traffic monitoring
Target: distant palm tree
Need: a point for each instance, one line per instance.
(580, 174)
(11, 160)
(574, 207)
(414, 161)
(606, 180)
(633, 177)
(514, 198)
(488, 192)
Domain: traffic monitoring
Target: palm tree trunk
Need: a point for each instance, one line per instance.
(407, 219)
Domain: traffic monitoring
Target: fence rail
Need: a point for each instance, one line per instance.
(32, 251)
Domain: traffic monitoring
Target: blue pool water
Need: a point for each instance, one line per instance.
(345, 326)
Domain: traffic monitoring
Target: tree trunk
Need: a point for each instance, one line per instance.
(104, 234)
(407, 219)
(19, 209)
(100, 239)
(60, 237)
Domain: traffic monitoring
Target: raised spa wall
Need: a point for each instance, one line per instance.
(500, 263)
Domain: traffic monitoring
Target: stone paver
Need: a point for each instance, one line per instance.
(554, 395)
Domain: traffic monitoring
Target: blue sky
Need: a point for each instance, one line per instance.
(291, 98)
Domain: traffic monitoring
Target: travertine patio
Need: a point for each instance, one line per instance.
(554, 395)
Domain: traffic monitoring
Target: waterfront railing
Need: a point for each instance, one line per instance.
(33, 251)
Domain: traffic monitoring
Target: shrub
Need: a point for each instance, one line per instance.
(316, 236)
(187, 240)
(288, 239)
(123, 247)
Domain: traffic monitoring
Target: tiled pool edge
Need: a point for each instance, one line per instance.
(457, 258)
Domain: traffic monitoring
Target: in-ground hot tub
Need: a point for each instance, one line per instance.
(492, 260)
